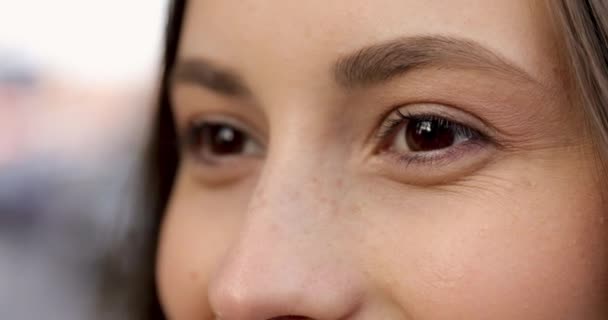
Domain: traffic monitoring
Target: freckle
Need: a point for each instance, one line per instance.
(273, 227)
(339, 183)
(483, 231)
(194, 276)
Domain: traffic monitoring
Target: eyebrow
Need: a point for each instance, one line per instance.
(201, 72)
(382, 62)
(368, 66)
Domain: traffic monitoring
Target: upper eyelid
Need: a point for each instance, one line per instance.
(403, 113)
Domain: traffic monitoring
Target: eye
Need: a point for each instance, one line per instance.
(425, 137)
(433, 133)
(212, 141)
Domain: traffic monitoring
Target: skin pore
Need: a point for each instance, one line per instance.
(390, 159)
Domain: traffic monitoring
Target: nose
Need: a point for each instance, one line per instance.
(287, 262)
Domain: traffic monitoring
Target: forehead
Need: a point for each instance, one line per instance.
(305, 37)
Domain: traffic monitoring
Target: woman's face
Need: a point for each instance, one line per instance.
(386, 159)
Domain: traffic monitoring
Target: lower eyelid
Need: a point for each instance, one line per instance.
(438, 157)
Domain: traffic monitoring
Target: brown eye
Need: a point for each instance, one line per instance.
(222, 139)
(425, 134)
(429, 134)
(211, 140)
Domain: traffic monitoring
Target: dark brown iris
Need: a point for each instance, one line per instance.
(429, 135)
(220, 139)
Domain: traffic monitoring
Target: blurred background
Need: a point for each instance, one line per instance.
(78, 85)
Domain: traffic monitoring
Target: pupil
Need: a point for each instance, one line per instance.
(223, 139)
(429, 135)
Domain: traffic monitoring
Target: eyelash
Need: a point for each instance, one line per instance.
(386, 134)
(391, 127)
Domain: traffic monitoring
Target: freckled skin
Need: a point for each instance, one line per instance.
(320, 228)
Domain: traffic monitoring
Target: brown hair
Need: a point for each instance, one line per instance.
(584, 26)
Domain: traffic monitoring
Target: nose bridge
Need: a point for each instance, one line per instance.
(297, 179)
(284, 262)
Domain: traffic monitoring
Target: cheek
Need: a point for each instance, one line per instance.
(196, 231)
(523, 251)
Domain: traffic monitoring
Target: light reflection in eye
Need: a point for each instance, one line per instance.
(426, 137)
(213, 140)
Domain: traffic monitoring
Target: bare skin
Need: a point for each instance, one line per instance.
(380, 160)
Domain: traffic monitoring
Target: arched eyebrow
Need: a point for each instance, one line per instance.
(368, 66)
(382, 62)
